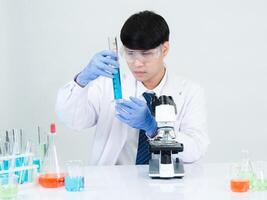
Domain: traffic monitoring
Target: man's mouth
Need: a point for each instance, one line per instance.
(139, 72)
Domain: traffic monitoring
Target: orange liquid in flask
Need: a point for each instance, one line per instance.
(239, 185)
(51, 180)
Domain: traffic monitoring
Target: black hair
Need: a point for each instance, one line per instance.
(144, 30)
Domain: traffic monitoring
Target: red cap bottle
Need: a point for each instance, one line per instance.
(53, 128)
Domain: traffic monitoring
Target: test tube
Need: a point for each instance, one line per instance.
(1, 154)
(7, 151)
(42, 142)
(113, 46)
(21, 139)
(17, 151)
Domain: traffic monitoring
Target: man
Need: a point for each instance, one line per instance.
(122, 129)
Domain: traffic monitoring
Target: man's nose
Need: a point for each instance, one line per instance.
(137, 62)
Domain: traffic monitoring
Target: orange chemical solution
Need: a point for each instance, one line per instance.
(52, 180)
(239, 185)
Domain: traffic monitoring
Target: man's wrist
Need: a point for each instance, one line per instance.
(80, 82)
(152, 131)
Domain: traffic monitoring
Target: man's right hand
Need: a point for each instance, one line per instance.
(103, 63)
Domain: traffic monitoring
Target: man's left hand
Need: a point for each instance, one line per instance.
(136, 114)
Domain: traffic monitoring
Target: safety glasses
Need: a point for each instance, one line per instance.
(140, 55)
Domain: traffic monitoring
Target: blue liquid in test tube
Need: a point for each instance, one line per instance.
(6, 164)
(117, 86)
(113, 46)
(38, 163)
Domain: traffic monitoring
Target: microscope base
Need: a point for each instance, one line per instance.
(154, 169)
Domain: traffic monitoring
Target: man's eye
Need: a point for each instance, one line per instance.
(130, 53)
(146, 53)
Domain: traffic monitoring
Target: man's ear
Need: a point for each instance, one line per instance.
(165, 48)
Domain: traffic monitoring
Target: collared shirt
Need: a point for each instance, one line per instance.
(129, 151)
(157, 90)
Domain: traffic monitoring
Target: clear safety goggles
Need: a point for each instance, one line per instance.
(141, 55)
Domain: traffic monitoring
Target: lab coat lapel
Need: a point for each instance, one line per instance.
(115, 143)
(118, 133)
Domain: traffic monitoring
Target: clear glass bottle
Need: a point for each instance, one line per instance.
(247, 168)
(246, 165)
(51, 176)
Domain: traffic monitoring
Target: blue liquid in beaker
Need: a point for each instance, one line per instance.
(74, 184)
(117, 85)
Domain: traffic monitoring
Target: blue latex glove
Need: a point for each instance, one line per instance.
(136, 114)
(103, 63)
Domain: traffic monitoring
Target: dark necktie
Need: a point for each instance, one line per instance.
(143, 154)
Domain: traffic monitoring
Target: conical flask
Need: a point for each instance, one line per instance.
(246, 165)
(247, 169)
(51, 176)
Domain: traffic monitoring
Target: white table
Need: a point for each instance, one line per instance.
(201, 182)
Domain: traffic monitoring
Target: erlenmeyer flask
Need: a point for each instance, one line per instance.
(246, 167)
(51, 176)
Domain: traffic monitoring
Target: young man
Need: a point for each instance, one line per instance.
(122, 129)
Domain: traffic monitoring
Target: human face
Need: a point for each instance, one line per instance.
(147, 65)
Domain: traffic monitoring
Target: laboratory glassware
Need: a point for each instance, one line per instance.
(74, 180)
(36, 151)
(39, 148)
(242, 174)
(51, 176)
(113, 46)
(8, 186)
(42, 142)
(238, 182)
(259, 182)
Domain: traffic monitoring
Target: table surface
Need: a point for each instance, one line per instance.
(201, 182)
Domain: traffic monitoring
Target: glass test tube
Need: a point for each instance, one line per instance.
(113, 46)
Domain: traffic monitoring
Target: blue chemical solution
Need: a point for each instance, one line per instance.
(74, 184)
(18, 163)
(6, 164)
(4, 179)
(37, 162)
(117, 85)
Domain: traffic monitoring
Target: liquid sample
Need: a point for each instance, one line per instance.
(37, 162)
(239, 185)
(6, 164)
(51, 180)
(117, 85)
(74, 184)
(259, 185)
(8, 191)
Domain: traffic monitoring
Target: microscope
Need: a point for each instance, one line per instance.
(164, 162)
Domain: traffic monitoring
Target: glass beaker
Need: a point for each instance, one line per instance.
(74, 180)
(238, 181)
(259, 182)
(8, 186)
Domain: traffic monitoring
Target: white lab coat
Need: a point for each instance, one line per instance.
(81, 108)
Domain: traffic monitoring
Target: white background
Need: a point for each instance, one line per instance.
(222, 45)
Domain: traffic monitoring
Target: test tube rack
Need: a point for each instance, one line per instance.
(24, 168)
